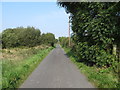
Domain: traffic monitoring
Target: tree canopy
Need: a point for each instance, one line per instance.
(96, 30)
(29, 37)
(48, 38)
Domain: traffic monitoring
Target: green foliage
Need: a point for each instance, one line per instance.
(64, 41)
(29, 37)
(0, 40)
(14, 72)
(48, 39)
(100, 77)
(56, 40)
(20, 37)
(93, 55)
(0, 73)
(96, 29)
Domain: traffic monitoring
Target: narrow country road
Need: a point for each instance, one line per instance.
(56, 71)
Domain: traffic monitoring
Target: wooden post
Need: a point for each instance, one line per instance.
(114, 49)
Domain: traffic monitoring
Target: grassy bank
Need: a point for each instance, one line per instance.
(99, 77)
(0, 66)
(18, 63)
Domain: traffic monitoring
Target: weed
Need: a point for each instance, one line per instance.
(100, 77)
(16, 71)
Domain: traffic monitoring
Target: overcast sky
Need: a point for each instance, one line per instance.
(47, 16)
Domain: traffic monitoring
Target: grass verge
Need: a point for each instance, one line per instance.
(15, 72)
(99, 77)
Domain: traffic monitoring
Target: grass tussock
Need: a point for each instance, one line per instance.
(18, 63)
(100, 77)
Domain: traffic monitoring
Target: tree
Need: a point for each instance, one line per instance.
(95, 28)
(64, 41)
(48, 39)
(20, 37)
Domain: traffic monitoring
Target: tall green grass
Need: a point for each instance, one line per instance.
(0, 74)
(15, 72)
(99, 77)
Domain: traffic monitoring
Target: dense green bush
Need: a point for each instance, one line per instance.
(64, 41)
(96, 31)
(48, 38)
(29, 37)
(100, 77)
(20, 37)
(93, 55)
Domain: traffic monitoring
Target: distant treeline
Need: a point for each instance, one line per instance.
(29, 37)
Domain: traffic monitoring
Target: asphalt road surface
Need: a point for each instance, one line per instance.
(56, 71)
